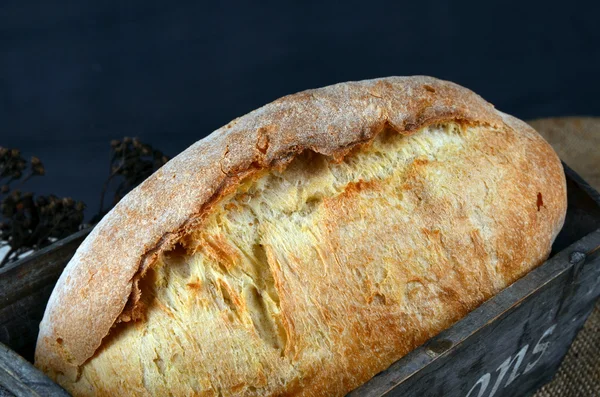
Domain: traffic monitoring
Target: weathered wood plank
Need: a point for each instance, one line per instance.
(5, 393)
(583, 213)
(25, 287)
(22, 379)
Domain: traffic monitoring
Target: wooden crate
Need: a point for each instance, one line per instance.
(509, 346)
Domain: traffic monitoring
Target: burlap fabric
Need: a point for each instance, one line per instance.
(577, 142)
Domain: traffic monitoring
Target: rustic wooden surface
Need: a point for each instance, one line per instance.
(25, 287)
(583, 212)
(22, 379)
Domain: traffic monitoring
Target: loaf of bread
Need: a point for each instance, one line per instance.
(306, 246)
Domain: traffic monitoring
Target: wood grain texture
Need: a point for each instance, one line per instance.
(22, 379)
(25, 287)
(4, 392)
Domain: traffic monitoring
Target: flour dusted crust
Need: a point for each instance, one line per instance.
(513, 206)
(576, 140)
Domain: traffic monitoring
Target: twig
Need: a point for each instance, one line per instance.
(104, 189)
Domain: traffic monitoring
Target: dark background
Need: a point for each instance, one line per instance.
(73, 76)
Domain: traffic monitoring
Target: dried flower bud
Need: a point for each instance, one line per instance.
(38, 170)
(28, 221)
(132, 161)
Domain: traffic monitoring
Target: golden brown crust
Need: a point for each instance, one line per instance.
(99, 286)
(576, 140)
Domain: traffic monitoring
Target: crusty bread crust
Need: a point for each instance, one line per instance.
(576, 140)
(99, 287)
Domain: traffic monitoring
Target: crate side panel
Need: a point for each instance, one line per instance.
(25, 288)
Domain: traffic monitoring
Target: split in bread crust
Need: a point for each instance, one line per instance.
(306, 246)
